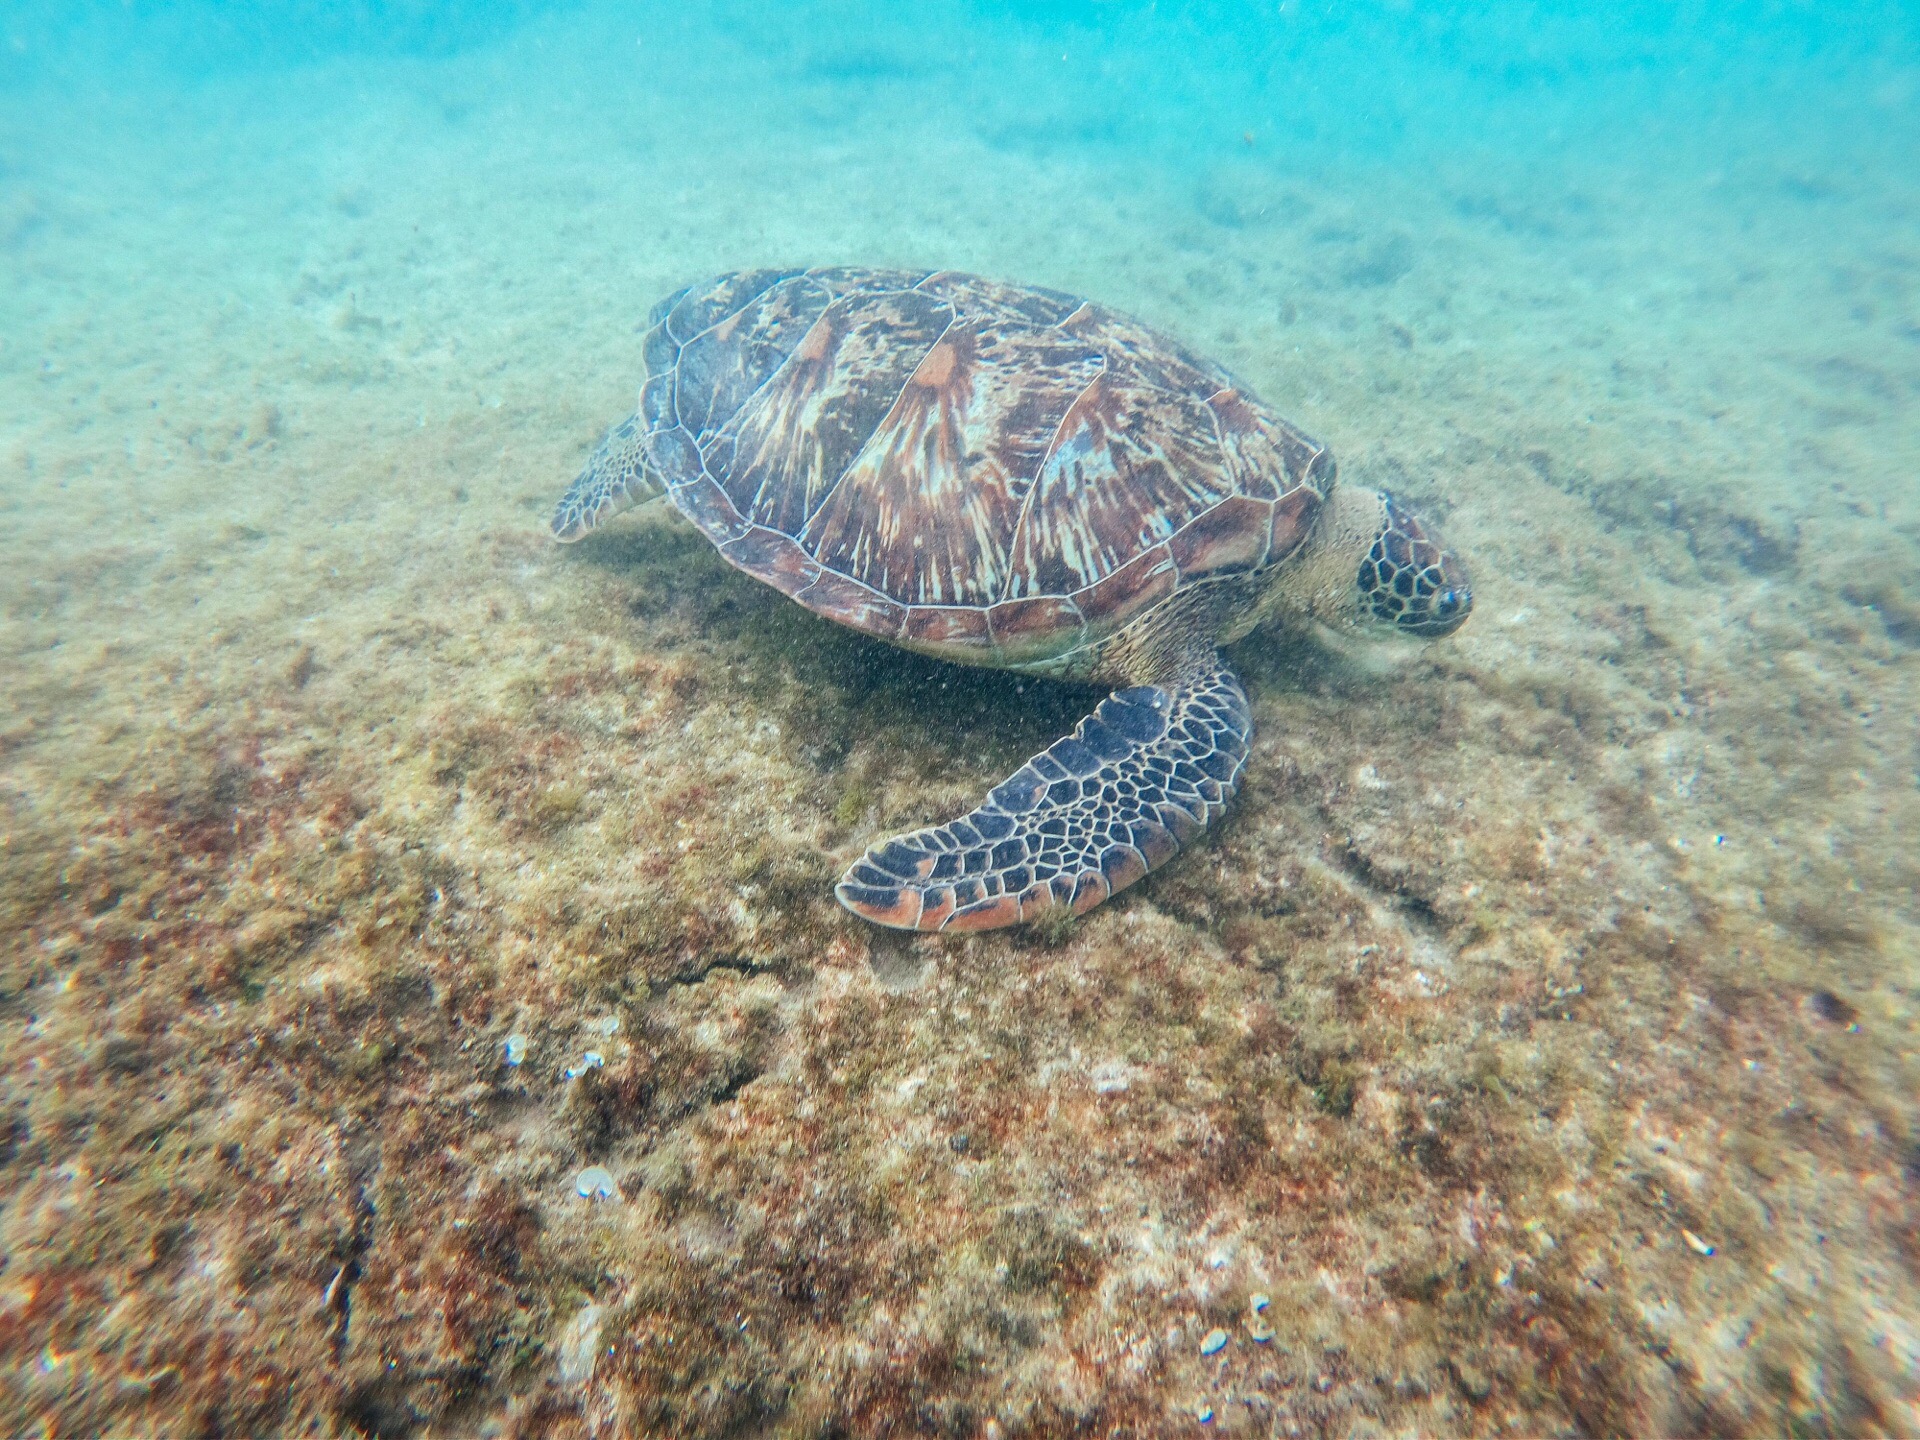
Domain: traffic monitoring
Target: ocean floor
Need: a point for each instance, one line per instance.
(1534, 1050)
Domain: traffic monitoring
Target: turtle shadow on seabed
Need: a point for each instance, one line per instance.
(915, 717)
(837, 688)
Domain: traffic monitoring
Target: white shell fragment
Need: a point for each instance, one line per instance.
(580, 1345)
(1215, 1342)
(515, 1048)
(592, 1060)
(1696, 1244)
(594, 1183)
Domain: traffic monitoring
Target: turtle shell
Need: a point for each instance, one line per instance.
(988, 472)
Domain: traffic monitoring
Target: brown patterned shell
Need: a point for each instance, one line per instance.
(973, 469)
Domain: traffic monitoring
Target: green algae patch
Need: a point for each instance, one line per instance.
(854, 803)
(557, 806)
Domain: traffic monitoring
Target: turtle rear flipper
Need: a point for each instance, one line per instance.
(1151, 768)
(617, 476)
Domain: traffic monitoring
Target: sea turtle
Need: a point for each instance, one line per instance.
(1008, 476)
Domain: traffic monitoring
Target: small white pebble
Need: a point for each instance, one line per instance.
(1215, 1342)
(1204, 1414)
(1260, 1330)
(592, 1060)
(1260, 1302)
(1696, 1244)
(516, 1048)
(594, 1183)
(580, 1345)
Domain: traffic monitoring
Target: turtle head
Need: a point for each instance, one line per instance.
(1409, 579)
(1371, 564)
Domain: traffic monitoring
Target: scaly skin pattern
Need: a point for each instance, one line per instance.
(1411, 581)
(1144, 774)
(617, 477)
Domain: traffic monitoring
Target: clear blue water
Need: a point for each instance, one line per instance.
(1697, 182)
(1169, 80)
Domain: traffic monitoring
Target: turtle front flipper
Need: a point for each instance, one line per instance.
(617, 476)
(1150, 769)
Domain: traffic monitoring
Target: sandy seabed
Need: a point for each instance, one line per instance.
(1533, 1050)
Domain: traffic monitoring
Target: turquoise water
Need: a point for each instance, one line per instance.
(1538, 1041)
(1180, 83)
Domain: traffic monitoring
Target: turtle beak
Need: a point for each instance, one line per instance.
(1411, 580)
